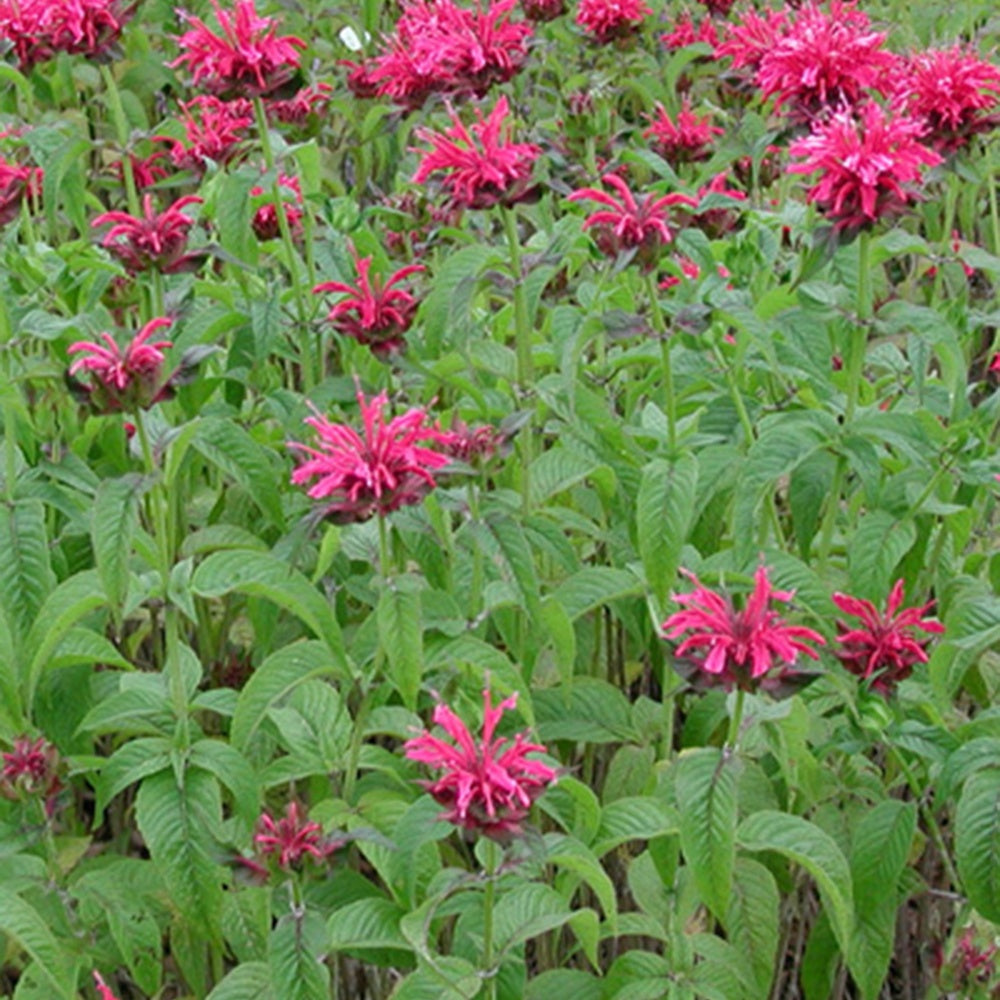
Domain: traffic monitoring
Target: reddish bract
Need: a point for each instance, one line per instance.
(214, 129)
(292, 837)
(265, 223)
(154, 242)
(685, 140)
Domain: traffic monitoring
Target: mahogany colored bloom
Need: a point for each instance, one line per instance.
(824, 60)
(124, 380)
(718, 7)
(543, 10)
(685, 33)
(475, 445)
(248, 57)
(718, 206)
(884, 647)
(867, 162)
(739, 646)
(103, 990)
(685, 140)
(359, 78)
(487, 786)
(292, 837)
(608, 20)
(376, 472)
(304, 105)
(30, 768)
(481, 166)
(154, 242)
(40, 29)
(265, 220)
(955, 93)
(213, 129)
(372, 311)
(625, 223)
(17, 185)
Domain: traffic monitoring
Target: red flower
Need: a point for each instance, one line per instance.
(265, 220)
(40, 29)
(487, 786)
(866, 161)
(608, 20)
(884, 647)
(214, 131)
(155, 242)
(297, 110)
(291, 838)
(719, 7)
(482, 167)
(688, 268)
(742, 646)
(360, 81)
(543, 10)
(723, 215)
(103, 990)
(755, 35)
(954, 93)
(684, 141)
(375, 473)
(128, 380)
(249, 57)
(824, 60)
(373, 312)
(995, 363)
(625, 223)
(145, 171)
(17, 185)
(30, 768)
(685, 33)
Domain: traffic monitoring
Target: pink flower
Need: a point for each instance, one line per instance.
(372, 311)
(30, 768)
(303, 106)
(124, 380)
(103, 990)
(481, 166)
(686, 33)
(475, 445)
(154, 242)
(145, 171)
(377, 472)
(884, 647)
(265, 220)
(755, 35)
(291, 838)
(742, 646)
(626, 223)
(248, 57)
(688, 268)
(360, 81)
(684, 141)
(17, 185)
(214, 131)
(823, 61)
(487, 786)
(995, 363)
(608, 20)
(954, 93)
(867, 160)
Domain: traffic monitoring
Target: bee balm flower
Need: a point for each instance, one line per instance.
(608, 20)
(154, 242)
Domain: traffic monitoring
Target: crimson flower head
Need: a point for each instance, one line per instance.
(481, 166)
(867, 161)
(627, 223)
(752, 37)
(685, 140)
(740, 647)
(292, 838)
(386, 467)
(488, 785)
(543, 10)
(154, 242)
(304, 105)
(685, 32)
(884, 647)
(824, 60)
(723, 213)
(372, 311)
(247, 57)
(17, 184)
(146, 171)
(265, 220)
(610, 20)
(127, 379)
(214, 130)
(103, 990)
(953, 92)
(30, 768)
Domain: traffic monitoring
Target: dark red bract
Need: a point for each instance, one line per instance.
(292, 838)
(156, 241)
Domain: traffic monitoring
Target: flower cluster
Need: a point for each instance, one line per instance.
(18, 183)
(685, 32)
(481, 166)
(292, 838)
(611, 20)
(213, 129)
(487, 786)
(31, 768)
(154, 242)
(38, 30)
(685, 140)
(265, 220)
(384, 468)
(248, 57)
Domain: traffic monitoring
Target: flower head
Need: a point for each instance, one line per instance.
(742, 646)
(265, 223)
(103, 990)
(748, 41)
(127, 379)
(884, 647)
(154, 242)
(292, 838)
(385, 467)
(487, 786)
(372, 311)
(685, 33)
(30, 768)
(304, 105)
(608, 20)
(146, 171)
(685, 140)
(481, 166)
(543, 10)
(627, 223)
(867, 160)
(214, 129)
(248, 57)
(17, 184)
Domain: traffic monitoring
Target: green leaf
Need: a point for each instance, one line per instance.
(520, 561)
(402, 638)
(808, 488)
(131, 762)
(752, 922)
(295, 953)
(273, 681)
(26, 577)
(705, 784)
(249, 981)
(564, 983)
(246, 922)
(261, 575)
(593, 711)
(878, 544)
(177, 823)
(807, 845)
(367, 925)
(446, 979)
(555, 471)
(571, 855)
(113, 522)
(663, 514)
(594, 586)
(638, 818)
(230, 448)
(21, 922)
(977, 842)
(525, 912)
(233, 771)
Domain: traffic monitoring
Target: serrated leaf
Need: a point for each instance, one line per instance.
(26, 577)
(233, 771)
(113, 522)
(752, 921)
(594, 586)
(246, 922)
(561, 983)
(249, 981)
(808, 489)
(878, 544)
(294, 955)
(131, 762)
(365, 925)
(977, 842)
(593, 710)
(636, 818)
(21, 922)
(402, 638)
(571, 855)
(555, 471)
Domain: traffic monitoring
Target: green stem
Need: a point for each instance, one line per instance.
(354, 750)
(122, 132)
(735, 719)
(666, 363)
(991, 180)
(859, 335)
(489, 896)
(384, 555)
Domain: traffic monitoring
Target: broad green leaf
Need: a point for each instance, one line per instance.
(594, 586)
(705, 785)
(977, 842)
(131, 762)
(446, 979)
(260, 575)
(365, 925)
(564, 983)
(233, 771)
(249, 981)
(246, 922)
(593, 711)
(22, 923)
(808, 489)
(571, 855)
(979, 753)
(295, 952)
(878, 544)
(752, 922)
(807, 845)
(556, 470)
(525, 912)
(402, 637)
(520, 561)
(26, 577)
(113, 522)
(633, 818)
